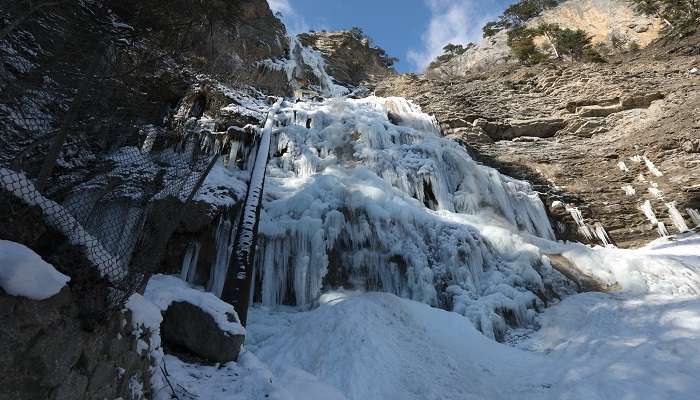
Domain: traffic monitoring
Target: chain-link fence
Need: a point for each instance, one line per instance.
(86, 136)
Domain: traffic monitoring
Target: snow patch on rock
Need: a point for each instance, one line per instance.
(24, 273)
(163, 290)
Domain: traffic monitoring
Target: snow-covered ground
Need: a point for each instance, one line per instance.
(632, 344)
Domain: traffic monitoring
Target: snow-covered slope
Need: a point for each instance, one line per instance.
(592, 345)
(367, 346)
(367, 194)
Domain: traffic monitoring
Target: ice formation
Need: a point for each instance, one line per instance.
(602, 234)
(661, 228)
(583, 228)
(652, 168)
(629, 190)
(367, 194)
(303, 58)
(648, 211)
(676, 217)
(694, 216)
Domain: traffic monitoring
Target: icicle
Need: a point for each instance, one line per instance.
(652, 168)
(694, 216)
(661, 228)
(189, 262)
(583, 228)
(224, 246)
(602, 235)
(676, 217)
(648, 211)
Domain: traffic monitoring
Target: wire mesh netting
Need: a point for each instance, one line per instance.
(83, 139)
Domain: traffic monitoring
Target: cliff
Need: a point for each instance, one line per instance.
(612, 22)
(582, 132)
(350, 56)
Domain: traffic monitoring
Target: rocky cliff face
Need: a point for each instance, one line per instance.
(606, 21)
(350, 57)
(108, 74)
(224, 38)
(600, 138)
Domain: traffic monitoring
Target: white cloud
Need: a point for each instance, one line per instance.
(281, 6)
(451, 21)
(294, 22)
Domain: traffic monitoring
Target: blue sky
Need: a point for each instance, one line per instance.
(412, 30)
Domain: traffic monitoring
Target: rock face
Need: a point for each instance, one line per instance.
(223, 38)
(583, 134)
(350, 57)
(604, 20)
(66, 346)
(45, 354)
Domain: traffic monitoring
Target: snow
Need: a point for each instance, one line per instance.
(24, 273)
(144, 314)
(249, 379)
(223, 186)
(145, 326)
(629, 344)
(163, 290)
(635, 343)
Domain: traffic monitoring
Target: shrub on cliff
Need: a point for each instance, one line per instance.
(517, 14)
(682, 17)
(450, 51)
(522, 44)
(573, 42)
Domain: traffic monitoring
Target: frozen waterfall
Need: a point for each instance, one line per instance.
(366, 194)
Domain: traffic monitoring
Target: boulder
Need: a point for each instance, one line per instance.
(692, 146)
(188, 326)
(471, 134)
(598, 111)
(195, 321)
(540, 127)
(639, 100)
